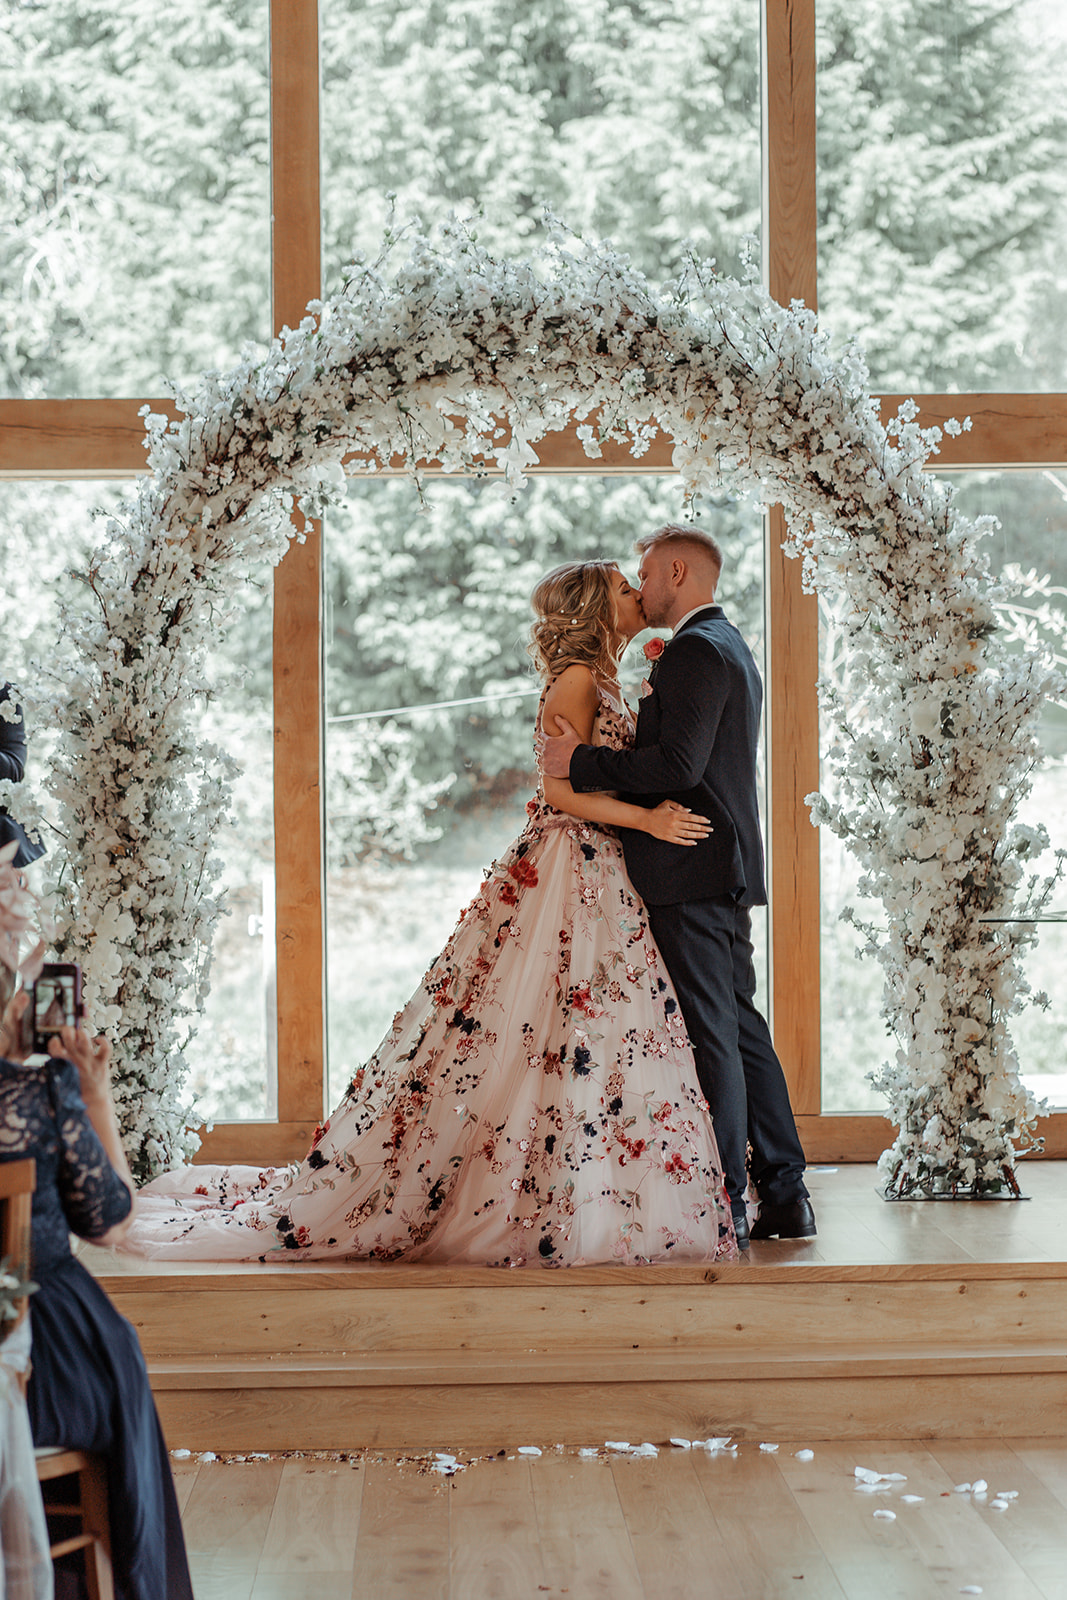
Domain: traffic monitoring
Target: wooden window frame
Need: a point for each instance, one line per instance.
(102, 438)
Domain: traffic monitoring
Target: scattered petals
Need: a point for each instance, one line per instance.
(912, 1499)
(769, 1448)
(804, 1455)
(682, 1444)
(869, 1476)
(886, 1516)
(529, 1450)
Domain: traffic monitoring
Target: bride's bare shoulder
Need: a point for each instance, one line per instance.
(574, 695)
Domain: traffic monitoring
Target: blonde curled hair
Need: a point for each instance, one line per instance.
(575, 622)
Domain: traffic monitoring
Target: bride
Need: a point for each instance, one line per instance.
(535, 1103)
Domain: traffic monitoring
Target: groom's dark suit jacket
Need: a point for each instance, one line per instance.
(697, 739)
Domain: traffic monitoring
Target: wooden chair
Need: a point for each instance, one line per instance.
(90, 1508)
(17, 1181)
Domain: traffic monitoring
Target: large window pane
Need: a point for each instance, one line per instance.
(941, 183)
(134, 170)
(635, 122)
(1032, 540)
(234, 1056)
(430, 607)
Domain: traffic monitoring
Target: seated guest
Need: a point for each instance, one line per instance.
(89, 1388)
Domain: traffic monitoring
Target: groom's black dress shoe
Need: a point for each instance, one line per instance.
(741, 1230)
(793, 1219)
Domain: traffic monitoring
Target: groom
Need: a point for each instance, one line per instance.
(697, 736)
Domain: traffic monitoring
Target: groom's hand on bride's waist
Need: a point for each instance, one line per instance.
(554, 752)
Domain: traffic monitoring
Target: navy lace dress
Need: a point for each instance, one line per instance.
(89, 1389)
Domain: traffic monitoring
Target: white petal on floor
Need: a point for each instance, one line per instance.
(645, 1449)
(979, 1486)
(971, 1588)
(961, 1488)
(716, 1444)
(617, 1444)
(529, 1450)
(208, 1455)
(804, 1455)
(997, 1504)
(588, 1453)
(181, 1455)
(886, 1516)
(769, 1448)
(912, 1499)
(1002, 1494)
(684, 1444)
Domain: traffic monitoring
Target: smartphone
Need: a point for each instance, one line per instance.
(55, 1002)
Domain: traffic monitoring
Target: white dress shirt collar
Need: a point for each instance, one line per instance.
(707, 605)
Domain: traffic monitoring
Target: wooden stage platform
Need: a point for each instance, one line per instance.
(916, 1320)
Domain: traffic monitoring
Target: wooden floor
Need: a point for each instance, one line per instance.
(918, 1320)
(685, 1525)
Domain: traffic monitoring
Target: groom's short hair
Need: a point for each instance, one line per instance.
(687, 535)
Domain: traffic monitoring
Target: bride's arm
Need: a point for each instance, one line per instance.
(574, 696)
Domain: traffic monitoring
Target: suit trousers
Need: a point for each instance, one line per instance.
(707, 948)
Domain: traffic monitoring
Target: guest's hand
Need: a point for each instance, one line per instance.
(11, 1042)
(677, 824)
(554, 754)
(90, 1056)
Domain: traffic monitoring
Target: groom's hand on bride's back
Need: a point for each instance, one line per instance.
(554, 751)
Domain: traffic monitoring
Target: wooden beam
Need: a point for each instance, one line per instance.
(1024, 431)
(792, 616)
(863, 1137)
(255, 1144)
(73, 438)
(298, 822)
(105, 438)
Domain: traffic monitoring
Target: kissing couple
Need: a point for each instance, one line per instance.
(581, 1073)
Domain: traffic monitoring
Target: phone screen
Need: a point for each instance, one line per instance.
(55, 1003)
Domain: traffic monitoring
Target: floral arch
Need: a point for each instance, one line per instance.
(422, 361)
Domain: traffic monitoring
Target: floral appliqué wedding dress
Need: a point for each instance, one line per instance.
(535, 1103)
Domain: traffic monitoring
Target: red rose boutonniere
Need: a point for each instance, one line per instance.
(654, 649)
